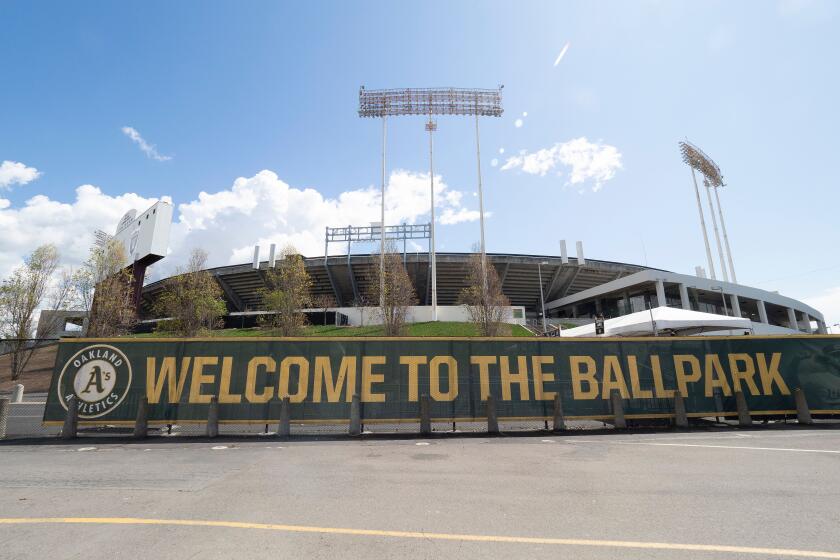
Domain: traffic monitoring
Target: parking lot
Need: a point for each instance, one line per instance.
(761, 493)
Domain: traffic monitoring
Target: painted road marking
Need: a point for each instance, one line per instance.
(708, 446)
(429, 536)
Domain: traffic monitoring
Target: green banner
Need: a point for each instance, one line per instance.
(320, 377)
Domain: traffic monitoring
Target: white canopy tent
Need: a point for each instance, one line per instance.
(665, 321)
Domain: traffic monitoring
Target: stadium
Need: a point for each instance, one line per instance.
(573, 289)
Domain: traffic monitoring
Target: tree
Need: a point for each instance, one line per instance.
(192, 299)
(398, 295)
(104, 288)
(323, 301)
(362, 303)
(20, 296)
(483, 297)
(288, 290)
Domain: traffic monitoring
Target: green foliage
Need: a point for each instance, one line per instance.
(436, 328)
(20, 296)
(398, 293)
(192, 300)
(287, 291)
(105, 289)
(483, 298)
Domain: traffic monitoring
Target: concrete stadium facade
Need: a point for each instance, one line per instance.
(571, 289)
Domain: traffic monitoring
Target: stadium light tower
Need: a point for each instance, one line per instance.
(715, 228)
(697, 160)
(725, 237)
(427, 102)
(431, 126)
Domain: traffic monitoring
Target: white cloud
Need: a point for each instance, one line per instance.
(501, 150)
(16, 173)
(587, 161)
(149, 149)
(452, 216)
(525, 113)
(494, 162)
(827, 303)
(518, 123)
(227, 223)
(69, 226)
(263, 209)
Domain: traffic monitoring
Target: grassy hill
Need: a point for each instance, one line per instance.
(437, 328)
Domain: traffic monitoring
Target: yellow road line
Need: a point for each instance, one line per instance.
(421, 535)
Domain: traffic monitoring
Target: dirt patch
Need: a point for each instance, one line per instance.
(37, 375)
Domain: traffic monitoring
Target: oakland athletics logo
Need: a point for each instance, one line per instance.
(99, 376)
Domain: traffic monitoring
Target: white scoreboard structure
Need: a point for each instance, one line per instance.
(145, 235)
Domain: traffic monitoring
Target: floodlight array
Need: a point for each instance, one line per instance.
(430, 101)
(695, 157)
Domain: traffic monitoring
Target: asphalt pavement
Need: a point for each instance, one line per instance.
(760, 493)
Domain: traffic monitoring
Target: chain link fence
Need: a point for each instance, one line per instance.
(24, 421)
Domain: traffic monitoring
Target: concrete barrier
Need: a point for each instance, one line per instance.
(141, 423)
(71, 419)
(4, 416)
(559, 420)
(355, 416)
(680, 414)
(492, 419)
(425, 416)
(618, 410)
(803, 413)
(744, 418)
(213, 417)
(284, 428)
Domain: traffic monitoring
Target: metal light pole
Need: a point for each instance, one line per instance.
(725, 237)
(703, 226)
(481, 210)
(542, 297)
(382, 223)
(431, 126)
(715, 226)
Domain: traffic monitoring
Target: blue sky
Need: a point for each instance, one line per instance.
(229, 89)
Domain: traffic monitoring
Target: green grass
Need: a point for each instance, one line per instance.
(438, 328)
